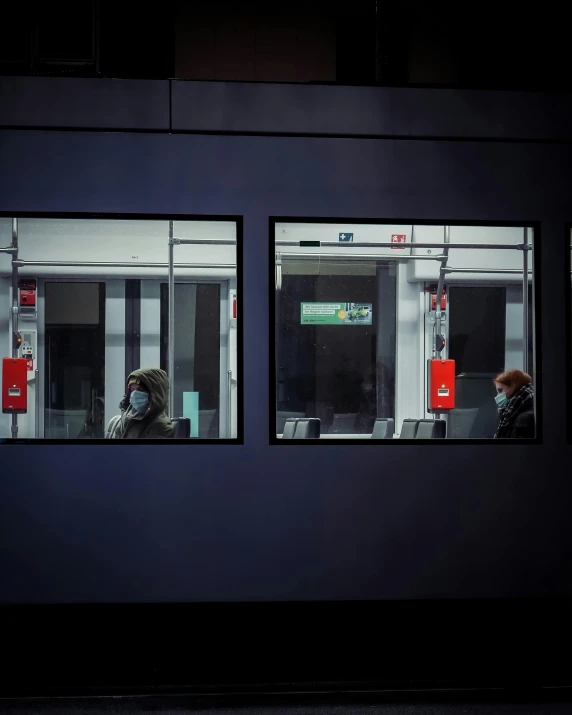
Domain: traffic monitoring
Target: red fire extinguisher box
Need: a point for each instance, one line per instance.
(14, 386)
(441, 380)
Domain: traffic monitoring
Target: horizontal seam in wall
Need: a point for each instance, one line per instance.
(295, 135)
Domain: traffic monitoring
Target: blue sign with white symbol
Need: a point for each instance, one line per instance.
(346, 237)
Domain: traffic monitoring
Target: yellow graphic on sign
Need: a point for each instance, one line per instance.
(342, 314)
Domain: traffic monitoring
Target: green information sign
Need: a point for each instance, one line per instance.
(335, 313)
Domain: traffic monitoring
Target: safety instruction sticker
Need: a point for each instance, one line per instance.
(336, 313)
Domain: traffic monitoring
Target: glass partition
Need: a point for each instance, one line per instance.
(364, 350)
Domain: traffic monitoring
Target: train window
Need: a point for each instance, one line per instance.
(364, 349)
(118, 329)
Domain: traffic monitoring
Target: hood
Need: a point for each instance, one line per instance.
(157, 382)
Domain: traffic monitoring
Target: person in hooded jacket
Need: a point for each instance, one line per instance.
(515, 402)
(143, 413)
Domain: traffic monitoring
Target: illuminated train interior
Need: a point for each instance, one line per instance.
(364, 348)
(84, 302)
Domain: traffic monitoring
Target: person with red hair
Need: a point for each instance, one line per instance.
(515, 402)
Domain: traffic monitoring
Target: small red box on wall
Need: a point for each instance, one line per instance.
(27, 288)
(14, 386)
(441, 380)
(27, 297)
(434, 301)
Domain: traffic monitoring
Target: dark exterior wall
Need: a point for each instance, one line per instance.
(300, 47)
(253, 521)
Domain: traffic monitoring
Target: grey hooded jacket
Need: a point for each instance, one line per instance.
(154, 423)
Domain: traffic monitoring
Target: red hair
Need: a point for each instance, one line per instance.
(513, 378)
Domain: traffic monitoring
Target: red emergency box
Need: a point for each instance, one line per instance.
(434, 301)
(441, 382)
(14, 386)
(27, 292)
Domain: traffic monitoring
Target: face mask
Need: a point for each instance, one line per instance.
(500, 399)
(139, 400)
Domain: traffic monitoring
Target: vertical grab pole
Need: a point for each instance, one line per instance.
(37, 415)
(14, 307)
(525, 302)
(446, 240)
(171, 342)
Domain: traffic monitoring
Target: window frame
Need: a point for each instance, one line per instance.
(536, 317)
(238, 220)
(568, 313)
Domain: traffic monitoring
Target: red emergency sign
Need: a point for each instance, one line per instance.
(398, 238)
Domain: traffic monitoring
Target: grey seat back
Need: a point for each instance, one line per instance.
(383, 428)
(431, 429)
(289, 428)
(182, 427)
(344, 423)
(408, 429)
(208, 424)
(477, 390)
(282, 416)
(460, 421)
(307, 428)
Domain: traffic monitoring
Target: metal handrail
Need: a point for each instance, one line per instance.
(322, 244)
(117, 264)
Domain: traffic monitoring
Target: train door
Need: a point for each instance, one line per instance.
(92, 333)
(203, 361)
(484, 327)
(71, 357)
(339, 370)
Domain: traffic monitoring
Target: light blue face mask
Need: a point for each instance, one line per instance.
(139, 400)
(500, 399)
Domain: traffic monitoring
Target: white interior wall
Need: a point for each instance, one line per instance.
(5, 349)
(409, 351)
(150, 350)
(417, 270)
(481, 258)
(114, 347)
(514, 358)
(123, 241)
(233, 364)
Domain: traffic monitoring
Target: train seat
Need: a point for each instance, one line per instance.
(307, 428)
(182, 427)
(408, 429)
(431, 429)
(383, 428)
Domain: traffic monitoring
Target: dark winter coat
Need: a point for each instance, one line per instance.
(516, 416)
